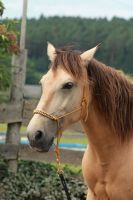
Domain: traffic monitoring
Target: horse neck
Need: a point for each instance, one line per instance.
(101, 139)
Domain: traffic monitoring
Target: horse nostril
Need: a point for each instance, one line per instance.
(39, 135)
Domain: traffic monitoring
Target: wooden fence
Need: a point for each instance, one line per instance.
(11, 114)
(24, 152)
(18, 111)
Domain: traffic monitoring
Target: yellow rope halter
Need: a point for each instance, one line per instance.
(83, 107)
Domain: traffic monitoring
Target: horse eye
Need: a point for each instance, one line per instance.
(68, 85)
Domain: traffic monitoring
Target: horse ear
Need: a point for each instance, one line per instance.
(88, 55)
(51, 52)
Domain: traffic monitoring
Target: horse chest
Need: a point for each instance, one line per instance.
(105, 190)
(100, 191)
(98, 188)
(108, 184)
(94, 177)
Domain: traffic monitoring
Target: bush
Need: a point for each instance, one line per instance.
(8, 46)
(39, 181)
(8, 37)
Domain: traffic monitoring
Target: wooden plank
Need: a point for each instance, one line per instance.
(24, 152)
(67, 156)
(10, 113)
(32, 91)
(16, 97)
(9, 151)
(29, 106)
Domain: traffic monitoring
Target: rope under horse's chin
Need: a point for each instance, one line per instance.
(83, 107)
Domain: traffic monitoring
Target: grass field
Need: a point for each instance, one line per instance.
(76, 140)
(67, 137)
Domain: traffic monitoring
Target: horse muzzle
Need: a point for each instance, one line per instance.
(39, 141)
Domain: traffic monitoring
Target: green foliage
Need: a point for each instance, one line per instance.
(1, 8)
(5, 73)
(3, 168)
(115, 35)
(4, 77)
(8, 38)
(8, 45)
(40, 181)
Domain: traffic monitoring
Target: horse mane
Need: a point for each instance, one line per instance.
(111, 89)
(113, 92)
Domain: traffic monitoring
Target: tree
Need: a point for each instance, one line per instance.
(8, 45)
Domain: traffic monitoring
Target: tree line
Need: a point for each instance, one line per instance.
(115, 36)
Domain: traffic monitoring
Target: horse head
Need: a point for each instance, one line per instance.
(65, 96)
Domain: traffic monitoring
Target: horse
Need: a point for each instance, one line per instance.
(78, 87)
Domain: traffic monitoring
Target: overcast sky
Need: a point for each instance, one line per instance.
(83, 8)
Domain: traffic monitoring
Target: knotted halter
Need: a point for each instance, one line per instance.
(84, 114)
(84, 108)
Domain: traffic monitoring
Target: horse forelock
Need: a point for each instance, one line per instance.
(70, 61)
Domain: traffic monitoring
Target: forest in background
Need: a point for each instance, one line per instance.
(115, 36)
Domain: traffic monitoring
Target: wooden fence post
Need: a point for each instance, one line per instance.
(17, 87)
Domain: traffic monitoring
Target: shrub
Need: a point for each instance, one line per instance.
(39, 181)
(8, 37)
(8, 46)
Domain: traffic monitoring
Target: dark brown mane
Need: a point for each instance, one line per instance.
(113, 92)
(111, 89)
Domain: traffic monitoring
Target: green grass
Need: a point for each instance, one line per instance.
(74, 140)
(76, 169)
(3, 127)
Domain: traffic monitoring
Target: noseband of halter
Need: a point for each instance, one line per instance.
(82, 107)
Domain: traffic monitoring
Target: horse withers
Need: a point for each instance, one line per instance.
(77, 87)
